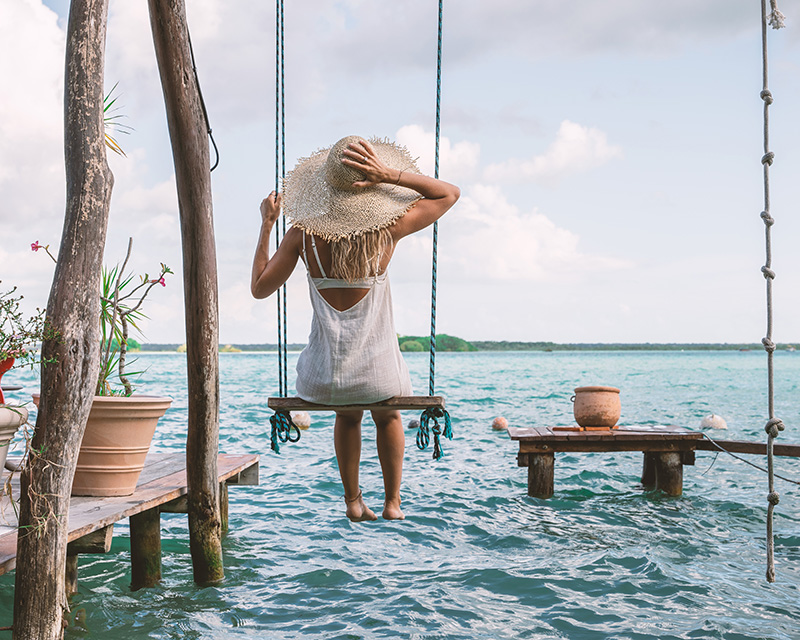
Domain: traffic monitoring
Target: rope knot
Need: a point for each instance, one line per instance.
(282, 425)
(767, 158)
(768, 273)
(775, 18)
(769, 345)
(774, 426)
(432, 415)
(773, 498)
(766, 96)
(768, 219)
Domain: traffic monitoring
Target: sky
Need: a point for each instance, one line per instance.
(608, 155)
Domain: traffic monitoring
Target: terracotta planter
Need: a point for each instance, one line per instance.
(116, 441)
(11, 419)
(596, 407)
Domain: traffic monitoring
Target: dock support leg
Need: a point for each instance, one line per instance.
(541, 475)
(669, 473)
(145, 549)
(649, 470)
(223, 507)
(71, 575)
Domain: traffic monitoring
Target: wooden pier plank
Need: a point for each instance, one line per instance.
(163, 479)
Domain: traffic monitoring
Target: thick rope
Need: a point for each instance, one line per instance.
(433, 413)
(285, 354)
(280, 170)
(774, 425)
(282, 427)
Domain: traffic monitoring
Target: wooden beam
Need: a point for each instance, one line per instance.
(145, 549)
(400, 403)
(98, 541)
(178, 505)
(73, 308)
(190, 153)
(607, 445)
(649, 470)
(248, 476)
(755, 448)
(669, 473)
(541, 475)
(71, 575)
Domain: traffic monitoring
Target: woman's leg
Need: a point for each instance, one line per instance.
(391, 449)
(347, 442)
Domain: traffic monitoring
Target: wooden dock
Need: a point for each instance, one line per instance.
(666, 449)
(161, 488)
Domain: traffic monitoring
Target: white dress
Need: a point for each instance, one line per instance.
(352, 356)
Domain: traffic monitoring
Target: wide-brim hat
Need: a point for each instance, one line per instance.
(319, 197)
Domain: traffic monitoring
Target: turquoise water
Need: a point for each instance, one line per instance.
(475, 557)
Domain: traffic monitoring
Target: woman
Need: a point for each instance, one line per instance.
(349, 205)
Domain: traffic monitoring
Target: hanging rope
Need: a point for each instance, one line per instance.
(280, 175)
(432, 414)
(774, 425)
(282, 427)
(202, 102)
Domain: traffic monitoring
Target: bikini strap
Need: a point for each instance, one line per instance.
(316, 255)
(305, 256)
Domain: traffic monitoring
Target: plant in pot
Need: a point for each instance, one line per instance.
(19, 338)
(121, 424)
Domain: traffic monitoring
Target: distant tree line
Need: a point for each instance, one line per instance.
(446, 342)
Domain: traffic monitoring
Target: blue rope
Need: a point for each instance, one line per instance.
(282, 426)
(285, 354)
(278, 117)
(434, 266)
(432, 415)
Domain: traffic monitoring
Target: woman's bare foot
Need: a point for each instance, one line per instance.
(391, 510)
(357, 511)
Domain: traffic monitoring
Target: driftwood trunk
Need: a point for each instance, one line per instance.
(73, 309)
(190, 153)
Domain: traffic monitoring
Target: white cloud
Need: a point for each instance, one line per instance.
(31, 141)
(576, 148)
(457, 162)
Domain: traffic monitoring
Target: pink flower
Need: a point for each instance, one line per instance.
(161, 282)
(35, 246)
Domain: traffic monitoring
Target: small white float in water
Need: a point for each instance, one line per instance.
(413, 423)
(713, 422)
(302, 419)
(500, 424)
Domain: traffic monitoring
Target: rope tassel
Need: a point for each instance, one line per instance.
(282, 425)
(432, 415)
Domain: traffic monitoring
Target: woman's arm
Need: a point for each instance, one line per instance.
(270, 273)
(437, 196)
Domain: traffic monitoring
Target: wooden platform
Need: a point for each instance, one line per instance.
(666, 449)
(399, 403)
(161, 488)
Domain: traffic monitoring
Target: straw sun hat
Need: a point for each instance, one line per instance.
(319, 197)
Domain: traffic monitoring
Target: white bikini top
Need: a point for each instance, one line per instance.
(338, 283)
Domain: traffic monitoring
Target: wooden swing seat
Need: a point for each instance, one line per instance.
(399, 403)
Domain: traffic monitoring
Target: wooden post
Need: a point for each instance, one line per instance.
(71, 575)
(223, 506)
(73, 309)
(669, 472)
(190, 154)
(541, 475)
(649, 470)
(145, 549)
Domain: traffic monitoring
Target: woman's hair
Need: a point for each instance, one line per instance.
(359, 256)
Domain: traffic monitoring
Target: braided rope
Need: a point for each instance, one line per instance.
(434, 266)
(284, 355)
(282, 427)
(432, 414)
(774, 425)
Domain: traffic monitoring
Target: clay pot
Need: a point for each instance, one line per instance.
(11, 419)
(596, 407)
(116, 441)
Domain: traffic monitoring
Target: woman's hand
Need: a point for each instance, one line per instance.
(361, 156)
(270, 209)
